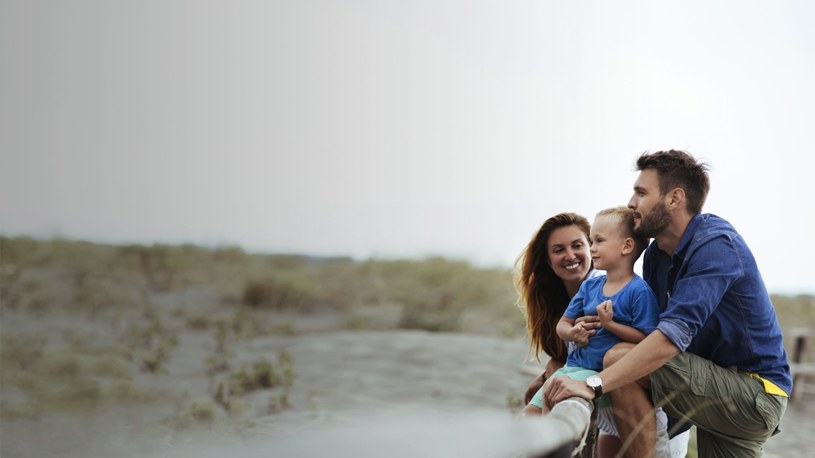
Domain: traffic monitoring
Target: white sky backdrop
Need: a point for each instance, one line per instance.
(390, 129)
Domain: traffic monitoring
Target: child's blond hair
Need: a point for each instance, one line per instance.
(625, 217)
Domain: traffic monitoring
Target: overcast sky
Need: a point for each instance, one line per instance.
(390, 129)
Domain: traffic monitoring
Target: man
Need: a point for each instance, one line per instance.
(716, 359)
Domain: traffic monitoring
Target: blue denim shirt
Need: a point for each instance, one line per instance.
(714, 302)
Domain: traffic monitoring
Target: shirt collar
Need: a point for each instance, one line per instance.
(687, 236)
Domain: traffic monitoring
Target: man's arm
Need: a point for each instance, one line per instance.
(646, 357)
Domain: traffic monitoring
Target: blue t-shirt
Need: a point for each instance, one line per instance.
(714, 302)
(634, 305)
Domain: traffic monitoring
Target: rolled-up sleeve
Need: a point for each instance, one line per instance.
(676, 331)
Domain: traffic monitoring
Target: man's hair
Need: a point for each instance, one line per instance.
(624, 216)
(678, 169)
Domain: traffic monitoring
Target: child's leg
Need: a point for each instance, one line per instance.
(608, 446)
(609, 443)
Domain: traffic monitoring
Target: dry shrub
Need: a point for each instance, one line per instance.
(196, 414)
(58, 377)
(280, 294)
(262, 374)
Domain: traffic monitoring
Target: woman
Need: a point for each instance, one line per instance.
(549, 272)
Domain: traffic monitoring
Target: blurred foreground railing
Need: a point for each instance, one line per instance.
(572, 427)
(475, 434)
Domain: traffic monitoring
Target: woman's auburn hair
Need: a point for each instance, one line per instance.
(542, 294)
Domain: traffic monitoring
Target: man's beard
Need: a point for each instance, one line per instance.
(656, 221)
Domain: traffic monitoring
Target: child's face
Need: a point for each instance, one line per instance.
(607, 243)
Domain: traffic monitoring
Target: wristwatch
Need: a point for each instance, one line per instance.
(595, 383)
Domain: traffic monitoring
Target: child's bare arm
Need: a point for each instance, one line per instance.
(626, 333)
(568, 329)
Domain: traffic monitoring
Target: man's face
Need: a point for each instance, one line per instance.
(651, 212)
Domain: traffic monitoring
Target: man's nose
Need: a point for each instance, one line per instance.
(632, 203)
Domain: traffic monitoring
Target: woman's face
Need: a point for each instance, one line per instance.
(568, 251)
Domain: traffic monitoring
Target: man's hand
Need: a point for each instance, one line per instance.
(605, 312)
(561, 388)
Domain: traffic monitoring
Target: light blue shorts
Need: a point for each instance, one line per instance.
(574, 373)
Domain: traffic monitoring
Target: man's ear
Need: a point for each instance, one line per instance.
(675, 197)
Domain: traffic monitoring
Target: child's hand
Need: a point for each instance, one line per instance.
(579, 335)
(605, 311)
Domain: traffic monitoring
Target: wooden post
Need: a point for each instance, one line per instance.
(800, 367)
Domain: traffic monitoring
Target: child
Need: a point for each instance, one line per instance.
(625, 305)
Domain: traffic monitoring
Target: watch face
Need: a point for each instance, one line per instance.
(595, 383)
